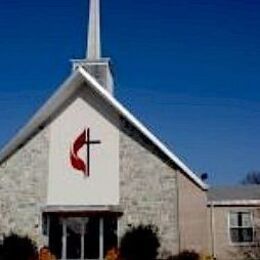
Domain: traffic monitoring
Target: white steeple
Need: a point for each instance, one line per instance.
(94, 64)
(94, 46)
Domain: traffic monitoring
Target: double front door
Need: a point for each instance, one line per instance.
(82, 237)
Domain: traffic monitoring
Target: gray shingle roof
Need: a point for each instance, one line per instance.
(247, 192)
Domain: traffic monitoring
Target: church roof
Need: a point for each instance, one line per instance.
(46, 112)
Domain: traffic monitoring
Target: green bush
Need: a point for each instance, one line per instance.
(185, 255)
(18, 248)
(140, 243)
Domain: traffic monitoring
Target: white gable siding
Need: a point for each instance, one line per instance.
(68, 186)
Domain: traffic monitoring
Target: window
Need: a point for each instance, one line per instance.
(82, 237)
(241, 227)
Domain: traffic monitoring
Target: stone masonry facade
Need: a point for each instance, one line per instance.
(23, 188)
(148, 192)
(148, 188)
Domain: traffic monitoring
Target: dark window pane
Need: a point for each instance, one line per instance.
(110, 234)
(241, 235)
(234, 234)
(247, 234)
(91, 249)
(55, 236)
(45, 225)
(74, 229)
(240, 214)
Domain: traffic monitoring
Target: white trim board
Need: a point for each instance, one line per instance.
(124, 112)
(61, 95)
(41, 116)
(234, 203)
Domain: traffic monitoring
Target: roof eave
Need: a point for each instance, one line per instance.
(38, 121)
(124, 112)
(243, 202)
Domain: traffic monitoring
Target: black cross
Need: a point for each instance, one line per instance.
(89, 143)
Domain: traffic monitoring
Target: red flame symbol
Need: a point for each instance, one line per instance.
(76, 162)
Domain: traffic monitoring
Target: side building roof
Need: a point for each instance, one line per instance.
(41, 118)
(234, 195)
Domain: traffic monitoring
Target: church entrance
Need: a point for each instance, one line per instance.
(81, 237)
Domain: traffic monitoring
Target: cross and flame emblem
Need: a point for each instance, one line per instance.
(76, 161)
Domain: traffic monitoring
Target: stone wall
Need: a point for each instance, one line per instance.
(148, 191)
(23, 188)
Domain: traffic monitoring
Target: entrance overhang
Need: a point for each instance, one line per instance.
(83, 211)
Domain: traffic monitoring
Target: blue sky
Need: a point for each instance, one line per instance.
(188, 69)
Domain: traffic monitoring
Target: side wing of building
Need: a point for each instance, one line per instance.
(234, 216)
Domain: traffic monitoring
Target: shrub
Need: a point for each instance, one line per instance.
(140, 243)
(19, 248)
(185, 255)
(1, 252)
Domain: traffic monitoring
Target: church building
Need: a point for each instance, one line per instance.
(84, 169)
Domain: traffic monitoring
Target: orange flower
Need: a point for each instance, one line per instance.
(112, 254)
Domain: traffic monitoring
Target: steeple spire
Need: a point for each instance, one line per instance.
(94, 45)
(93, 63)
